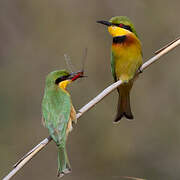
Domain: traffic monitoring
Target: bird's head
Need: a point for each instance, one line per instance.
(119, 26)
(62, 78)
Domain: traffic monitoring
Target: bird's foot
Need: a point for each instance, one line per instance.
(140, 70)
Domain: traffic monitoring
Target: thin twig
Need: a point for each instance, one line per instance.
(133, 178)
(159, 50)
(88, 106)
(27, 157)
(39, 146)
(166, 49)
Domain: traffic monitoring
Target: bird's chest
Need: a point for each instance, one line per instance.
(126, 60)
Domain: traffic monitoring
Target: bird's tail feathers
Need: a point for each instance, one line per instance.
(63, 162)
(124, 108)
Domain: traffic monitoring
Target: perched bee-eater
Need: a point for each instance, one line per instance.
(126, 59)
(59, 113)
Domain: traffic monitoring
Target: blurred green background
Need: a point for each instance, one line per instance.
(34, 35)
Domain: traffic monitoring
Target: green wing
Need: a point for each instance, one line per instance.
(113, 67)
(56, 107)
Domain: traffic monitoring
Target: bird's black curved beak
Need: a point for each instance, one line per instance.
(107, 23)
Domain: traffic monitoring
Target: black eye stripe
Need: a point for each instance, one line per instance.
(58, 80)
(115, 24)
(127, 27)
(124, 26)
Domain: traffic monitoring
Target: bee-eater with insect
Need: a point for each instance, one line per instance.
(126, 59)
(59, 113)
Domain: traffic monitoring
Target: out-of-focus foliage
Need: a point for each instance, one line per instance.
(35, 34)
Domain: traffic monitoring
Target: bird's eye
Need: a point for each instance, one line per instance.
(121, 25)
(58, 80)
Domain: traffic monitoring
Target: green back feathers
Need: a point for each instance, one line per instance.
(56, 106)
(123, 20)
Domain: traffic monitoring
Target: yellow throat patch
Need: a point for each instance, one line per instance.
(64, 84)
(117, 31)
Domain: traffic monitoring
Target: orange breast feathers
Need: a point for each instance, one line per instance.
(72, 118)
(127, 57)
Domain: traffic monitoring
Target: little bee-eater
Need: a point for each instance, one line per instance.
(126, 59)
(59, 113)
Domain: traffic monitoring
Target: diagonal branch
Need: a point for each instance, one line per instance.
(88, 106)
